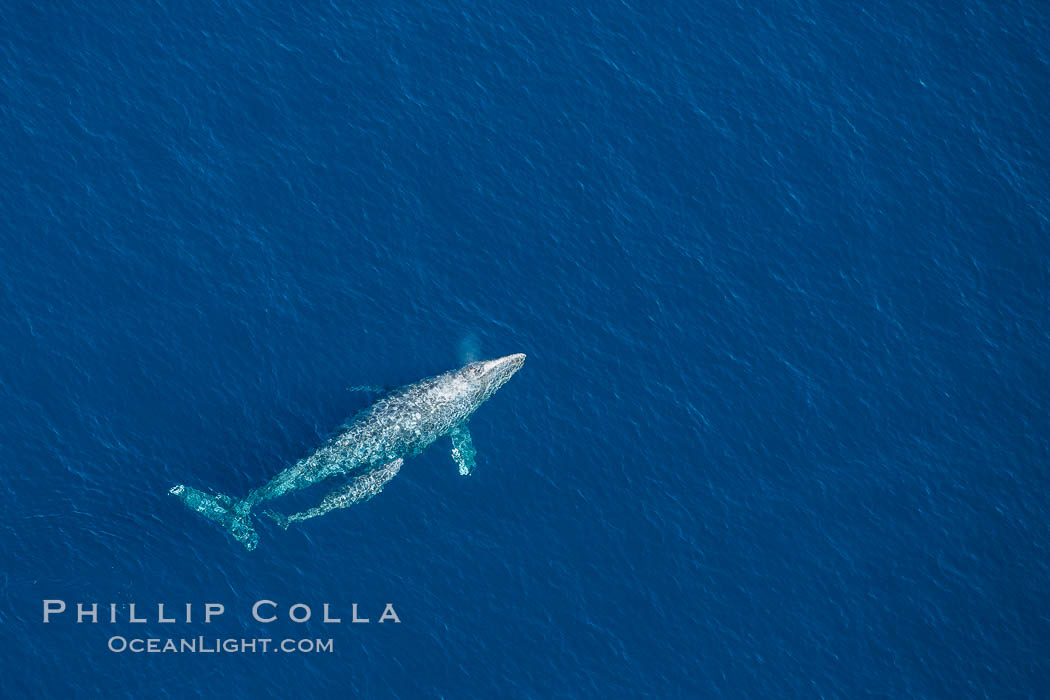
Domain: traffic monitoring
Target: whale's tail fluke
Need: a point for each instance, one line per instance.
(231, 513)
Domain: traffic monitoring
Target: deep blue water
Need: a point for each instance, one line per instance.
(782, 273)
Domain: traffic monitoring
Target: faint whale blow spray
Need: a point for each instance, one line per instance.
(373, 446)
(469, 349)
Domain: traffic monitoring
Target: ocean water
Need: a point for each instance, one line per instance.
(781, 270)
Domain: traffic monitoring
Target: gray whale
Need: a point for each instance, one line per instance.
(371, 447)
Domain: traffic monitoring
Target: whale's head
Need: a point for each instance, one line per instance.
(487, 376)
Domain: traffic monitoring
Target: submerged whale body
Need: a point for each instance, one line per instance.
(371, 447)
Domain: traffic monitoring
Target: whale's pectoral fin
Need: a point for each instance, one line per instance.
(357, 490)
(463, 448)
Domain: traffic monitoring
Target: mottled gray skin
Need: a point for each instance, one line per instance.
(401, 424)
(358, 490)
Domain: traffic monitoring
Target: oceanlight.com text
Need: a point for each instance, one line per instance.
(217, 645)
